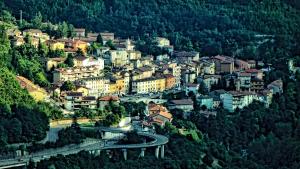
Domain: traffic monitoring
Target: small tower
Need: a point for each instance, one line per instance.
(291, 65)
(146, 111)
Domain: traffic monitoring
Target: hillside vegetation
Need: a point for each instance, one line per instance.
(265, 29)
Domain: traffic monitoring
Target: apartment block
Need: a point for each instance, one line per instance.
(75, 73)
(149, 85)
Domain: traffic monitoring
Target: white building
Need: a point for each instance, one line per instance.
(176, 72)
(209, 80)
(207, 66)
(76, 100)
(162, 42)
(162, 57)
(117, 58)
(276, 86)
(97, 86)
(183, 104)
(88, 61)
(244, 80)
(75, 73)
(236, 99)
(191, 87)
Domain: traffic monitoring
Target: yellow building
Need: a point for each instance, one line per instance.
(112, 87)
(36, 33)
(142, 73)
(160, 84)
(14, 32)
(35, 42)
(18, 41)
(134, 55)
(73, 45)
(54, 62)
(82, 89)
(55, 45)
(117, 86)
(33, 32)
(161, 42)
(38, 93)
(78, 44)
(149, 85)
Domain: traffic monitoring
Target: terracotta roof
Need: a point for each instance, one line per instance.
(240, 62)
(207, 113)
(50, 41)
(166, 115)
(81, 58)
(182, 102)
(79, 30)
(253, 71)
(33, 30)
(184, 54)
(145, 69)
(78, 94)
(192, 85)
(245, 74)
(89, 98)
(212, 76)
(149, 79)
(77, 69)
(224, 59)
(241, 93)
(79, 42)
(169, 76)
(107, 33)
(122, 46)
(251, 61)
(87, 40)
(109, 98)
(92, 34)
(157, 121)
(265, 92)
(220, 91)
(156, 107)
(277, 83)
(58, 59)
(70, 50)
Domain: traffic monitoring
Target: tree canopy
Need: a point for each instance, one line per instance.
(264, 29)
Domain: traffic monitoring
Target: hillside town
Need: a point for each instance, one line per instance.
(165, 84)
(116, 71)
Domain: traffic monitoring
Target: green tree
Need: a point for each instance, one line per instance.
(68, 86)
(70, 60)
(99, 39)
(202, 88)
(37, 20)
(110, 45)
(6, 16)
(5, 59)
(79, 52)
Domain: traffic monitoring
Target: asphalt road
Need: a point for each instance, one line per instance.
(87, 146)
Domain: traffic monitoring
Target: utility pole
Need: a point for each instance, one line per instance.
(21, 17)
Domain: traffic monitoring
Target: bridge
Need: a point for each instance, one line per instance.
(158, 142)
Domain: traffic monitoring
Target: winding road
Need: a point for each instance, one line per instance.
(158, 140)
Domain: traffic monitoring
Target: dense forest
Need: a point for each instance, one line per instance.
(22, 120)
(261, 29)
